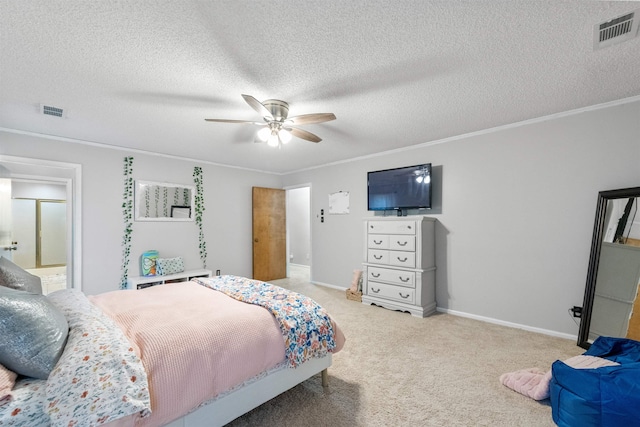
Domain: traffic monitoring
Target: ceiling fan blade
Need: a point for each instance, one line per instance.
(257, 105)
(306, 119)
(235, 121)
(303, 134)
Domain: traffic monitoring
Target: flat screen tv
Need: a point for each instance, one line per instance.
(408, 187)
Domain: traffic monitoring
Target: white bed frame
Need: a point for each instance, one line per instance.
(229, 407)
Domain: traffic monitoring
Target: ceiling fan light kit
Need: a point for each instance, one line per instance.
(279, 128)
(284, 135)
(264, 134)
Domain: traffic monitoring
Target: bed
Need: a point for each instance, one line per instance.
(183, 354)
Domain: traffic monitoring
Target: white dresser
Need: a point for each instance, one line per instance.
(399, 264)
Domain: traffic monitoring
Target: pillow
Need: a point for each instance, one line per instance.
(7, 380)
(170, 265)
(534, 382)
(34, 330)
(12, 276)
(99, 377)
(149, 263)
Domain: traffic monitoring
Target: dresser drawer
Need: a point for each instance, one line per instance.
(402, 259)
(391, 227)
(388, 275)
(378, 241)
(402, 242)
(397, 293)
(378, 256)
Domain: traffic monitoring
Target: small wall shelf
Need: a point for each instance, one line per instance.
(141, 282)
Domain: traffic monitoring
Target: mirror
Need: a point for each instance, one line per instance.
(611, 306)
(160, 201)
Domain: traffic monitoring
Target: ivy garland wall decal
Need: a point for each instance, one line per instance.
(199, 209)
(165, 193)
(156, 192)
(127, 216)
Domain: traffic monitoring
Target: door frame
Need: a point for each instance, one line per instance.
(29, 169)
(293, 187)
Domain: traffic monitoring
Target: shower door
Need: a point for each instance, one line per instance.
(39, 229)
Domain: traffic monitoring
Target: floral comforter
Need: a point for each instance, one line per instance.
(98, 378)
(305, 325)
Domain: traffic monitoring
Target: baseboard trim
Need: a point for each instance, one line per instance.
(509, 324)
(308, 267)
(327, 285)
(481, 318)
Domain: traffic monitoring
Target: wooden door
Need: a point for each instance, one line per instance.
(269, 234)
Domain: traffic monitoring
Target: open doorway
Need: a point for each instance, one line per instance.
(52, 189)
(38, 230)
(299, 232)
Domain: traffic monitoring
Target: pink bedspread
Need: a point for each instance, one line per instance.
(194, 343)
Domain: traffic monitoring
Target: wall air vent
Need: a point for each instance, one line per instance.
(51, 111)
(616, 30)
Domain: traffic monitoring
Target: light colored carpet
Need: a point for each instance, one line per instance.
(399, 370)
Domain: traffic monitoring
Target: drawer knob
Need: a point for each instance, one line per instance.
(404, 280)
(409, 227)
(377, 242)
(377, 256)
(403, 296)
(375, 275)
(402, 243)
(403, 259)
(375, 291)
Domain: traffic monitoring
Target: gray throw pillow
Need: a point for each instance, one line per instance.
(33, 333)
(14, 277)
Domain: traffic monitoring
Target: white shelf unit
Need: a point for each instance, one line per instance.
(399, 264)
(141, 282)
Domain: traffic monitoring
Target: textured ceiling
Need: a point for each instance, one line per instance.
(145, 74)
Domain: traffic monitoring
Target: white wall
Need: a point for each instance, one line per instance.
(227, 216)
(515, 208)
(38, 190)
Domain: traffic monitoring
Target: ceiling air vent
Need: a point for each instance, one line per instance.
(616, 30)
(51, 111)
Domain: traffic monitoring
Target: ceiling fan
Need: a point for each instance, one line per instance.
(278, 126)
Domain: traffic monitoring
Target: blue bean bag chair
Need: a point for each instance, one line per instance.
(603, 397)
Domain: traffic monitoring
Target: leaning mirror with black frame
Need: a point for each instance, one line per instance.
(610, 306)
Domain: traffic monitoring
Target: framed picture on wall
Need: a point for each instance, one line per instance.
(339, 203)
